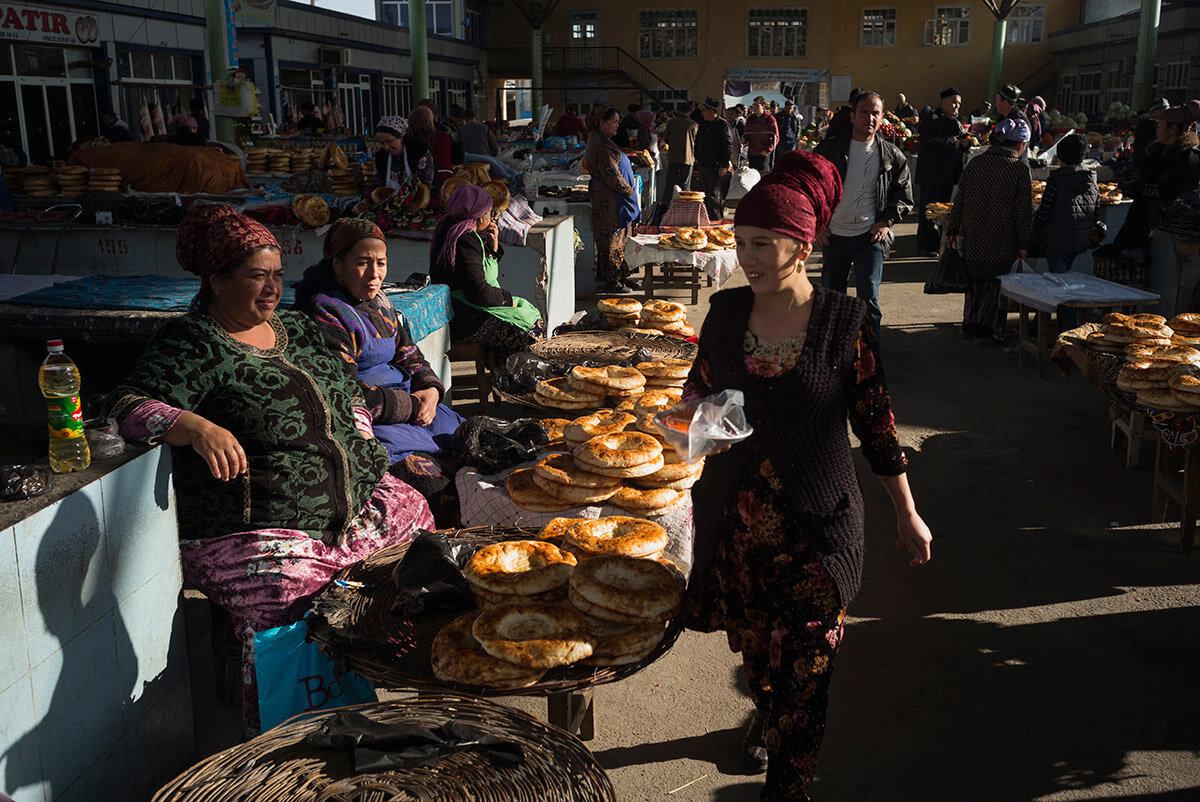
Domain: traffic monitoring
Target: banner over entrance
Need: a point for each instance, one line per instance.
(781, 75)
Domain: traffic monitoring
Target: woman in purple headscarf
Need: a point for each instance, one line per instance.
(466, 256)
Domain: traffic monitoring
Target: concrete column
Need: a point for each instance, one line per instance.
(220, 29)
(1147, 53)
(419, 44)
(535, 55)
(999, 31)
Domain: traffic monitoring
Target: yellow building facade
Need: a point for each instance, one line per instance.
(597, 51)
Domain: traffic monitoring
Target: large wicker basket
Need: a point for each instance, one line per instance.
(278, 766)
(352, 620)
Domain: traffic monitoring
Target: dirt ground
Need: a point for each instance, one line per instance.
(1049, 652)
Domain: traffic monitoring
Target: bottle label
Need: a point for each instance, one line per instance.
(65, 417)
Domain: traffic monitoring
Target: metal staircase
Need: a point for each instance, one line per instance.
(612, 62)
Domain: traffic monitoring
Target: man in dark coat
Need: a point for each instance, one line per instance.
(939, 163)
(1147, 130)
(716, 152)
(876, 194)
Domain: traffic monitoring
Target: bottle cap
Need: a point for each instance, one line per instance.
(54, 345)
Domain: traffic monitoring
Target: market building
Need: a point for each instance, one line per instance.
(63, 65)
(813, 53)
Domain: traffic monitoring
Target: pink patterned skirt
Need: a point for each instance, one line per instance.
(266, 578)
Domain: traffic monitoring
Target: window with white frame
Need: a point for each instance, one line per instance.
(439, 15)
(878, 27)
(1026, 24)
(950, 27)
(1172, 76)
(778, 32)
(397, 96)
(1089, 89)
(668, 33)
(458, 94)
(583, 26)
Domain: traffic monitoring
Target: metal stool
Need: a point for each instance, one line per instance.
(479, 386)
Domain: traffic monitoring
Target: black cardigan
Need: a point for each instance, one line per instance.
(467, 273)
(800, 425)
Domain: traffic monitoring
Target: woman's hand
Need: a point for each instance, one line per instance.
(914, 537)
(492, 233)
(216, 445)
(427, 401)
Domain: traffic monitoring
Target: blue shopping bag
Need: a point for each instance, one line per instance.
(294, 677)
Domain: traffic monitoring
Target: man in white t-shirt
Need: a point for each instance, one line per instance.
(876, 193)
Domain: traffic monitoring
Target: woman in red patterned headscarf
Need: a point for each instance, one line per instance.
(278, 480)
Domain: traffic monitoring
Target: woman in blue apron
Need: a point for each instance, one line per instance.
(401, 391)
(466, 256)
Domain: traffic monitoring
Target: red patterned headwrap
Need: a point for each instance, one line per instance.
(212, 236)
(795, 199)
(347, 231)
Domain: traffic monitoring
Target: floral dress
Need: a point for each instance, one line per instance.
(767, 588)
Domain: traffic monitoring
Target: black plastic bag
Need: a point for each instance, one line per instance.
(429, 577)
(492, 445)
(378, 746)
(949, 275)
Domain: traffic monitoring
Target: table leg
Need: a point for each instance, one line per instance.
(1136, 436)
(648, 281)
(1162, 470)
(1022, 331)
(1191, 497)
(1043, 342)
(573, 712)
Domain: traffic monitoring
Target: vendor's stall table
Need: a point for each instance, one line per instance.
(643, 250)
(1181, 484)
(1043, 293)
(581, 217)
(353, 619)
(280, 765)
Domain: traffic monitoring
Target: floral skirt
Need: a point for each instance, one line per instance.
(779, 607)
(266, 578)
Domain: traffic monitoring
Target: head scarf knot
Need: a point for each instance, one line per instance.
(795, 199)
(212, 236)
(466, 205)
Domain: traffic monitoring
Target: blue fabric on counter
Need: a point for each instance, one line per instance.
(424, 311)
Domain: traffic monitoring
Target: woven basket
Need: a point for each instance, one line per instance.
(1120, 269)
(610, 348)
(356, 624)
(284, 769)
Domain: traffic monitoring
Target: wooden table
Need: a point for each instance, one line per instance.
(1043, 293)
(1181, 485)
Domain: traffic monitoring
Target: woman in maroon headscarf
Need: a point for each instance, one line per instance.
(779, 516)
(278, 480)
(466, 255)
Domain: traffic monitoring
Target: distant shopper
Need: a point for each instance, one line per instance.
(310, 123)
(761, 135)
(843, 118)
(203, 126)
(716, 153)
(614, 201)
(115, 129)
(571, 124)
(479, 145)
(940, 147)
(680, 139)
(904, 110)
(627, 132)
(1146, 131)
(788, 120)
(1070, 207)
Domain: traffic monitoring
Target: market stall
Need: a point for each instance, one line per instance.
(716, 258)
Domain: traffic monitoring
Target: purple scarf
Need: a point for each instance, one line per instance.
(467, 204)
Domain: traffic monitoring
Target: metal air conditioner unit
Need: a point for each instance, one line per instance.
(334, 56)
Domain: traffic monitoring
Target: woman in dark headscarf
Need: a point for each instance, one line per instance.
(466, 255)
(403, 394)
(779, 516)
(278, 480)
(614, 201)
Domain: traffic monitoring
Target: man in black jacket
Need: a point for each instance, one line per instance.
(716, 150)
(939, 163)
(876, 193)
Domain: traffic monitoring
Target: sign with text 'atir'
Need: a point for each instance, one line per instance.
(47, 25)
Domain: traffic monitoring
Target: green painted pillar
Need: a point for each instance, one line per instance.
(1147, 53)
(221, 32)
(535, 58)
(418, 42)
(999, 31)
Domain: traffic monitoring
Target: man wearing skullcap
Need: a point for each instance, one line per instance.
(940, 149)
(877, 194)
(716, 152)
(779, 516)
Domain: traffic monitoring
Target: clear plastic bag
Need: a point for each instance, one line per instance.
(697, 429)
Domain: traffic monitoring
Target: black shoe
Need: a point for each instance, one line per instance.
(613, 288)
(968, 332)
(754, 744)
(633, 285)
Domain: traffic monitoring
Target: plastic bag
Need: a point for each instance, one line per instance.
(949, 274)
(378, 746)
(696, 429)
(1021, 266)
(744, 178)
(294, 676)
(429, 577)
(492, 445)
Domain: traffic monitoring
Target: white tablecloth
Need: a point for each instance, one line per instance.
(484, 501)
(643, 250)
(1047, 291)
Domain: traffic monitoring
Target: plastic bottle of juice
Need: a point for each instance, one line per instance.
(59, 381)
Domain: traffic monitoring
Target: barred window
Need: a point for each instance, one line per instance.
(668, 33)
(1026, 24)
(950, 27)
(397, 96)
(778, 32)
(879, 27)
